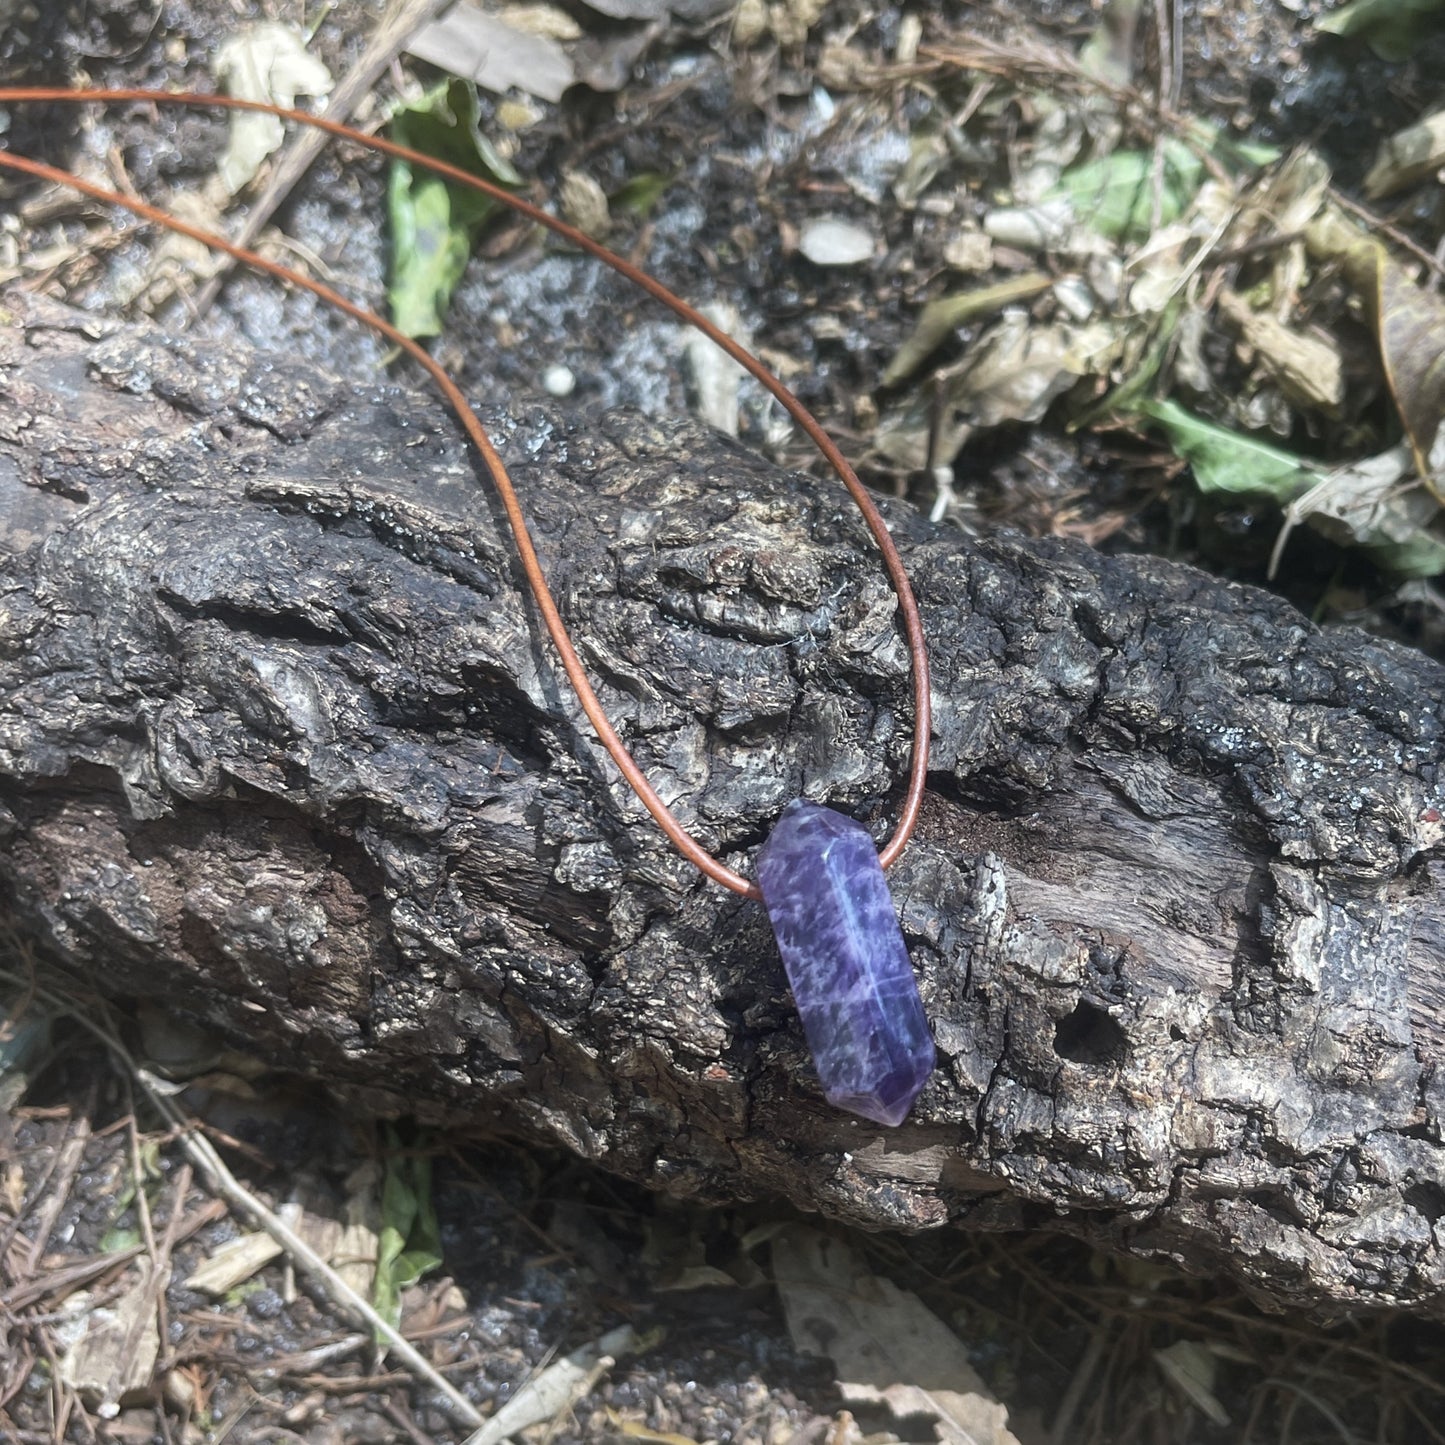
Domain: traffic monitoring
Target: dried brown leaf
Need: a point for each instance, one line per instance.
(1407, 156)
(887, 1347)
(1409, 324)
(939, 318)
(1308, 368)
(469, 42)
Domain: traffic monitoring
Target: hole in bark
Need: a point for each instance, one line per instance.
(1427, 1199)
(1089, 1036)
(1176, 1033)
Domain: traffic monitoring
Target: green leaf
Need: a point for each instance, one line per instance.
(1421, 556)
(1391, 28)
(1375, 503)
(434, 222)
(940, 318)
(1411, 321)
(1408, 322)
(1225, 461)
(640, 194)
(409, 1242)
(1115, 194)
(1245, 155)
(1128, 397)
(233, 1298)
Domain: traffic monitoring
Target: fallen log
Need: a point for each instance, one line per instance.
(282, 744)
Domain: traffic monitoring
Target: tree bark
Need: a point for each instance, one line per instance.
(283, 745)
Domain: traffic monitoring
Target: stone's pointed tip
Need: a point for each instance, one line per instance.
(889, 1108)
(894, 1096)
(837, 931)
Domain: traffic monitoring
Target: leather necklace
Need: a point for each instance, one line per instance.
(819, 877)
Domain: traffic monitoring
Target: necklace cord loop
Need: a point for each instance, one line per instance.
(680, 838)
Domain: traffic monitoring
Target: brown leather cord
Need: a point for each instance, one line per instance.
(572, 665)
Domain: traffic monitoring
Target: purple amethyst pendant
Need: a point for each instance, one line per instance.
(832, 915)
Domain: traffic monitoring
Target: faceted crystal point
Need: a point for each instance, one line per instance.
(832, 915)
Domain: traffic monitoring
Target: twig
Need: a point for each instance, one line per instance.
(1164, 36)
(1386, 229)
(1176, 69)
(1035, 60)
(155, 1270)
(404, 19)
(169, 1239)
(212, 1169)
(68, 1166)
(66, 1277)
(1084, 1373)
(403, 1421)
(1257, 246)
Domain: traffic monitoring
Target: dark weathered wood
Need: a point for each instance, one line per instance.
(280, 744)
